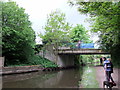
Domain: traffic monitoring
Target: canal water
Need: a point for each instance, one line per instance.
(57, 79)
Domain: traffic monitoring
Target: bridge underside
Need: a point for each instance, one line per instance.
(81, 52)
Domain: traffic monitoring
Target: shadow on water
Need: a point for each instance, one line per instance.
(57, 79)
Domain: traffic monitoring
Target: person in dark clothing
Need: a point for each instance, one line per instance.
(101, 61)
(108, 67)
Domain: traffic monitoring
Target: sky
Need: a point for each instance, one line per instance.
(39, 9)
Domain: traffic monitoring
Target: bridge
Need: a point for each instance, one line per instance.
(65, 56)
(81, 51)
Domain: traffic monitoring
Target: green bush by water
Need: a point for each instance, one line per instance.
(37, 60)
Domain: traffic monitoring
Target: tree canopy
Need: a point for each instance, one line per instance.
(79, 33)
(57, 28)
(18, 37)
(105, 17)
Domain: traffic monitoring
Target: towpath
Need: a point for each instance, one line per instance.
(100, 75)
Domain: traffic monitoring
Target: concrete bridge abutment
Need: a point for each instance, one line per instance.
(65, 60)
(60, 60)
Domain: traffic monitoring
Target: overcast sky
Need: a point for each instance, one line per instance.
(39, 9)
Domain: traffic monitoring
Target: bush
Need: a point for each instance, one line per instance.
(37, 60)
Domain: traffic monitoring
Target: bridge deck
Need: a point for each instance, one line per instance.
(81, 51)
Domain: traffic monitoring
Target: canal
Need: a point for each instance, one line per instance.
(55, 79)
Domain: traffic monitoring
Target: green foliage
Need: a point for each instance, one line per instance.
(105, 22)
(38, 47)
(56, 28)
(37, 60)
(77, 61)
(87, 58)
(18, 38)
(115, 55)
(79, 33)
(108, 31)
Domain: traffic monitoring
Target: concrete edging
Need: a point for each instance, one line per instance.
(28, 69)
(20, 69)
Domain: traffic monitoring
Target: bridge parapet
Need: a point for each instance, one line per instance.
(82, 51)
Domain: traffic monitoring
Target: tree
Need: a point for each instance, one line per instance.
(56, 29)
(79, 33)
(105, 16)
(18, 38)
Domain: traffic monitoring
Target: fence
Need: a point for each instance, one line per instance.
(77, 46)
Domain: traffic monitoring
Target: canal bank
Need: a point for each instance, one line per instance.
(28, 69)
(100, 76)
(20, 69)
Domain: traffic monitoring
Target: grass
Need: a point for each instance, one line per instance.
(88, 78)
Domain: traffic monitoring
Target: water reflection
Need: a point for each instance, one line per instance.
(58, 79)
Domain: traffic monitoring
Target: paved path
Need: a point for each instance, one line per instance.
(100, 75)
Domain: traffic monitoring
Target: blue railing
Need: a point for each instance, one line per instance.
(87, 45)
(78, 46)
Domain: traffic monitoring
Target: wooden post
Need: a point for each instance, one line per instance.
(2, 61)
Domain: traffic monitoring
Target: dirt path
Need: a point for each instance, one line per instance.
(100, 75)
